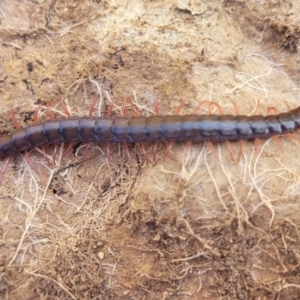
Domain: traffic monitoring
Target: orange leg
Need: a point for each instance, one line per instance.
(135, 111)
(236, 108)
(67, 150)
(279, 142)
(230, 150)
(218, 106)
(49, 111)
(66, 109)
(197, 108)
(145, 153)
(213, 150)
(14, 120)
(36, 112)
(156, 106)
(257, 145)
(110, 108)
(124, 111)
(257, 107)
(92, 106)
(294, 136)
(154, 152)
(241, 149)
(179, 107)
(127, 151)
(54, 155)
(168, 150)
(45, 155)
(86, 151)
(271, 109)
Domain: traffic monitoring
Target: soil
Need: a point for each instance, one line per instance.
(196, 222)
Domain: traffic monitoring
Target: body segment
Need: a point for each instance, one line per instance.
(198, 128)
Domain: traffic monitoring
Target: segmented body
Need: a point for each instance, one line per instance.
(149, 129)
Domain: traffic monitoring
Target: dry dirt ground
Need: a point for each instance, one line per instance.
(196, 225)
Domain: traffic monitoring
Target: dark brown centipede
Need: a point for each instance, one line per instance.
(177, 128)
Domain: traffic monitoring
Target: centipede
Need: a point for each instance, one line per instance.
(156, 128)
